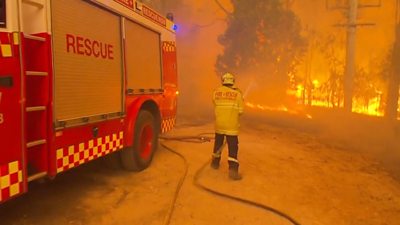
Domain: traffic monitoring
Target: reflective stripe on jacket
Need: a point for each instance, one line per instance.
(228, 104)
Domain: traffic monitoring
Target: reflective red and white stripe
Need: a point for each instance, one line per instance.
(168, 124)
(75, 155)
(169, 46)
(10, 180)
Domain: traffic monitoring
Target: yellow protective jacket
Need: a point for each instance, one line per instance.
(228, 102)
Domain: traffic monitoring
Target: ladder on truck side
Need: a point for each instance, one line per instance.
(36, 71)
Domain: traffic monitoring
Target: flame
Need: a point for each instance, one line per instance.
(372, 107)
(315, 94)
(314, 97)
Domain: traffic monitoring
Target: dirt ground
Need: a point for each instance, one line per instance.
(313, 182)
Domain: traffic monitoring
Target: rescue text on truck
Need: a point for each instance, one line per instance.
(88, 47)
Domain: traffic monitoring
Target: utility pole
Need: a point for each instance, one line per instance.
(350, 55)
(350, 67)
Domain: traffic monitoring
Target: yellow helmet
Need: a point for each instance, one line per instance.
(228, 78)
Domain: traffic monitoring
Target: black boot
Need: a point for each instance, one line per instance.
(215, 162)
(234, 171)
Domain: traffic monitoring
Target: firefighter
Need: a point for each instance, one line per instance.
(228, 103)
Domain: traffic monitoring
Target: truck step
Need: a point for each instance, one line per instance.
(37, 176)
(37, 3)
(36, 73)
(35, 108)
(35, 143)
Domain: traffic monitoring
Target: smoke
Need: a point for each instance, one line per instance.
(199, 25)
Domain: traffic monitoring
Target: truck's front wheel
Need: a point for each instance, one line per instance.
(139, 156)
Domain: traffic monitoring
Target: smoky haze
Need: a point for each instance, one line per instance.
(199, 25)
(313, 99)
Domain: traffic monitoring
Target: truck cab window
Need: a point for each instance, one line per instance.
(2, 13)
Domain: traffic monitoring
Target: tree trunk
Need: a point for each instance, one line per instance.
(394, 81)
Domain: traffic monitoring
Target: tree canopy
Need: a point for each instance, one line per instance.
(260, 33)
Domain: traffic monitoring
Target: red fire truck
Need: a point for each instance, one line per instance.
(80, 79)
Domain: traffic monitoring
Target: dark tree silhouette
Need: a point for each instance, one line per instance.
(262, 37)
(259, 32)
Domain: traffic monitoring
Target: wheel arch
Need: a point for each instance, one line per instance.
(147, 104)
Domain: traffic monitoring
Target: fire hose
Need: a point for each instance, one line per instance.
(201, 138)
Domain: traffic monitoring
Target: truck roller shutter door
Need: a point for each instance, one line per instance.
(87, 60)
(143, 57)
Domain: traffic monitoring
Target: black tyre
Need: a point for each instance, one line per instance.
(145, 140)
